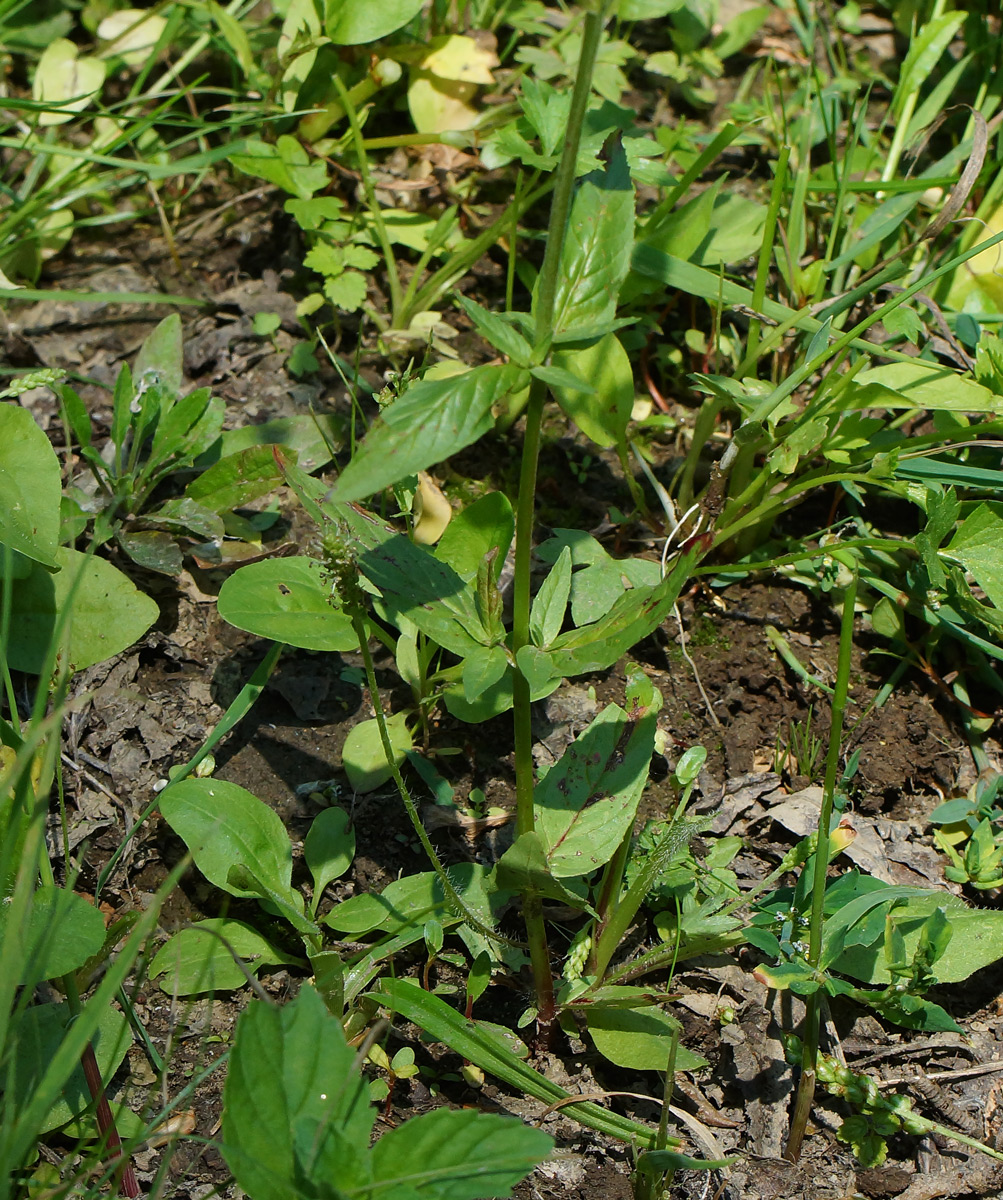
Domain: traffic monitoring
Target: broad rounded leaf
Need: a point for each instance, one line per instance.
(482, 668)
(440, 105)
(30, 486)
(486, 526)
(132, 33)
(414, 583)
(313, 437)
(587, 801)
(978, 546)
(224, 826)
(62, 933)
(494, 700)
(40, 1031)
(236, 479)
(601, 415)
(109, 613)
(415, 899)
(920, 385)
(458, 1155)
(350, 23)
(63, 75)
(976, 941)
(329, 848)
(287, 600)
(639, 1039)
(159, 360)
(294, 1102)
(196, 959)
(363, 754)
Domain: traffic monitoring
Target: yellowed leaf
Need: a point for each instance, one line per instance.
(441, 105)
(131, 34)
(444, 83)
(62, 75)
(459, 58)
(982, 274)
(432, 511)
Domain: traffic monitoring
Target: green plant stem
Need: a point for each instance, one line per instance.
(813, 1003)
(904, 118)
(662, 957)
(6, 602)
(436, 240)
(453, 898)
(521, 695)
(670, 1078)
(606, 900)
(393, 276)
(748, 364)
(620, 910)
(544, 321)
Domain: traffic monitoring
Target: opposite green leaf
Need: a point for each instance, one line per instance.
(294, 1106)
(329, 848)
(487, 526)
(638, 1038)
(550, 602)
(415, 899)
(431, 421)
(524, 868)
(978, 546)
(601, 415)
(40, 1032)
(633, 617)
(456, 1155)
(429, 593)
(238, 479)
(587, 801)
(976, 940)
(596, 253)
(920, 385)
(159, 360)
(481, 668)
(314, 438)
(348, 23)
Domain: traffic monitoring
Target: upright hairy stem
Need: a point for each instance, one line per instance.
(813, 1003)
(544, 324)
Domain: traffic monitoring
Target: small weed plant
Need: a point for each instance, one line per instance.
(852, 359)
